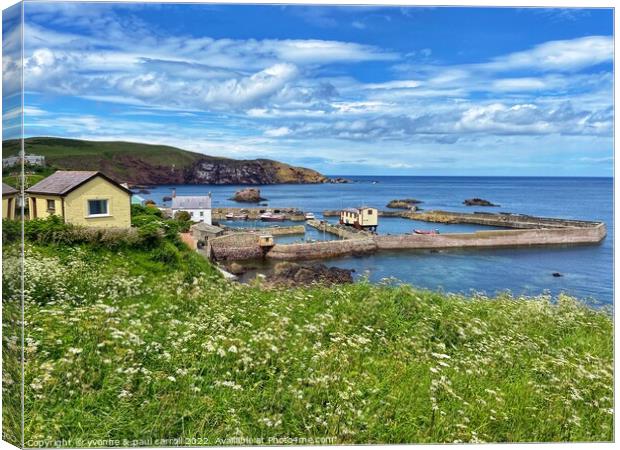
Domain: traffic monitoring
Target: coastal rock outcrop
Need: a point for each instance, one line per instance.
(405, 203)
(258, 171)
(248, 195)
(478, 202)
(292, 274)
(337, 180)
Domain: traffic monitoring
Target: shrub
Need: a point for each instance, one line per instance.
(144, 219)
(45, 230)
(166, 253)
(151, 234)
(11, 230)
(138, 210)
(183, 216)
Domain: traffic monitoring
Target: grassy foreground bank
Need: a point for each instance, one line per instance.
(125, 345)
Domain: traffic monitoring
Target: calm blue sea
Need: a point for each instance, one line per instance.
(587, 270)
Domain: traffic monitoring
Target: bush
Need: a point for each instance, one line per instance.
(139, 210)
(151, 234)
(45, 230)
(144, 219)
(183, 216)
(11, 230)
(166, 253)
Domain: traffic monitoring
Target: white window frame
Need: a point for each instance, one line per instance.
(107, 207)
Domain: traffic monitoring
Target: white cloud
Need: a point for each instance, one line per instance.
(566, 55)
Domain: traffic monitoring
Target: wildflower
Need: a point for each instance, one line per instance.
(171, 378)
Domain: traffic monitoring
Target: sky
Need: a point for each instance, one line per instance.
(343, 90)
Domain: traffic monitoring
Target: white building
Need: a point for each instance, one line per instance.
(363, 217)
(35, 160)
(198, 207)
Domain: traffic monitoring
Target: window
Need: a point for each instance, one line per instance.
(202, 213)
(370, 212)
(97, 207)
(51, 205)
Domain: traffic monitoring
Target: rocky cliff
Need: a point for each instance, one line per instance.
(137, 163)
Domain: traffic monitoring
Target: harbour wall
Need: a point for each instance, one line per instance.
(235, 247)
(320, 250)
(293, 214)
(526, 231)
(496, 238)
(338, 230)
(274, 231)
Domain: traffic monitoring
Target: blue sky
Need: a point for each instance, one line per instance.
(344, 90)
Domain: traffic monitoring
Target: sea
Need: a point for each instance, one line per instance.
(586, 271)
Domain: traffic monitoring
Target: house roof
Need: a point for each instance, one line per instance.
(207, 228)
(6, 189)
(191, 202)
(62, 182)
(357, 210)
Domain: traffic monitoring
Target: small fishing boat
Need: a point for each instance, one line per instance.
(230, 216)
(241, 216)
(435, 231)
(271, 217)
(309, 216)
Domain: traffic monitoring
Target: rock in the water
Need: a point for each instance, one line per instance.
(236, 268)
(478, 202)
(338, 180)
(290, 274)
(557, 274)
(167, 198)
(405, 203)
(248, 195)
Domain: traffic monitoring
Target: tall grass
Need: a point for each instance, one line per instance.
(122, 346)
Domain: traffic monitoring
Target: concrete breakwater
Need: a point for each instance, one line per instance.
(338, 230)
(274, 231)
(496, 238)
(322, 250)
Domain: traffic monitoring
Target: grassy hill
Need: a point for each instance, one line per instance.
(159, 164)
(138, 344)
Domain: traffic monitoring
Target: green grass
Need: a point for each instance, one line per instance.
(57, 150)
(121, 346)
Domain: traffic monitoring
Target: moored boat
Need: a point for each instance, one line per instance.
(435, 231)
(230, 216)
(309, 216)
(271, 217)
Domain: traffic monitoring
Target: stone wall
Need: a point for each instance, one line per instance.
(320, 250)
(495, 238)
(236, 246)
(342, 231)
(274, 231)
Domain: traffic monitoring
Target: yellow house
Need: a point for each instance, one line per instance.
(81, 198)
(9, 201)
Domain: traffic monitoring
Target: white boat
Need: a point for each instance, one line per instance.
(271, 217)
(310, 216)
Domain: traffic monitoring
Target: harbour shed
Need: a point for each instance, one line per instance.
(203, 231)
(87, 198)
(364, 217)
(198, 207)
(9, 201)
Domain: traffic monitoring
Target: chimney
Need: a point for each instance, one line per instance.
(174, 192)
